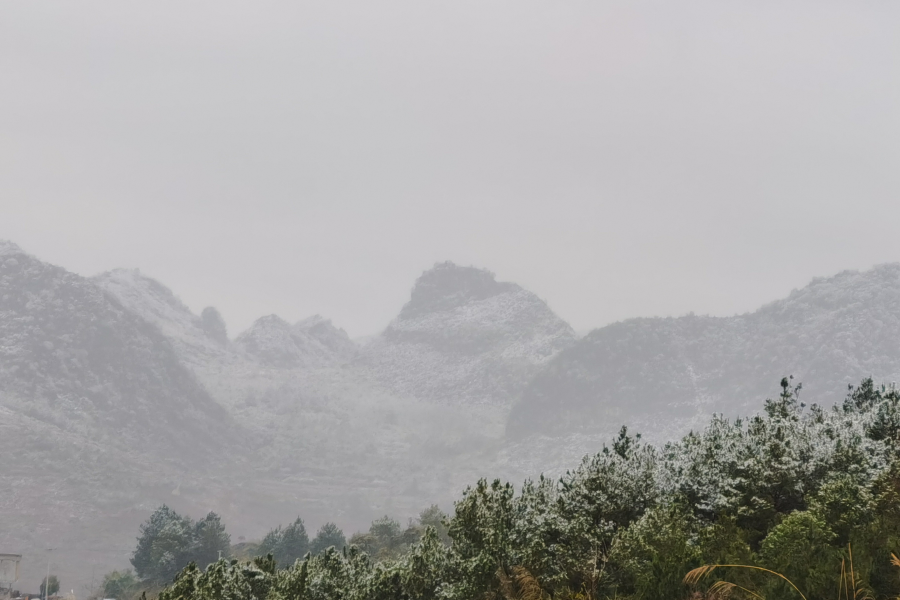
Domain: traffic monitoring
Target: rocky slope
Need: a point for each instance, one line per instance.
(115, 397)
(466, 339)
(660, 372)
(73, 356)
(311, 343)
(196, 339)
(97, 414)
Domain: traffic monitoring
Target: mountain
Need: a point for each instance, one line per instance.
(98, 415)
(73, 356)
(196, 339)
(115, 397)
(466, 338)
(660, 372)
(335, 339)
(313, 342)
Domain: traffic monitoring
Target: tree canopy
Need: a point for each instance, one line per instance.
(168, 542)
(793, 489)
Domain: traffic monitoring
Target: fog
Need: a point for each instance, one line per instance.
(303, 158)
(302, 272)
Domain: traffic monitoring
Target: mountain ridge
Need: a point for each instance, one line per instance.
(464, 337)
(339, 430)
(828, 334)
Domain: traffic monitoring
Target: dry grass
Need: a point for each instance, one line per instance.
(519, 584)
(693, 577)
(849, 586)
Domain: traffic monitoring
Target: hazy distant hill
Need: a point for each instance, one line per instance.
(829, 334)
(196, 339)
(313, 342)
(324, 430)
(97, 416)
(465, 338)
(115, 396)
(74, 357)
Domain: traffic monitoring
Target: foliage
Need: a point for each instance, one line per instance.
(121, 585)
(49, 586)
(286, 544)
(328, 536)
(788, 490)
(168, 542)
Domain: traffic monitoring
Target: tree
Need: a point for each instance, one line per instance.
(386, 538)
(142, 558)
(433, 516)
(169, 541)
(793, 489)
(120, 585)
(51, 588)
(211, 541)
(287, 544)
(800, 547)
(329, 535)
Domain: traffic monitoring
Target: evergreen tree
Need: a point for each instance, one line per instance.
(329, 535)
(287, 544)
(49, 586)
(121, 585)
(794, 488)
(212, 542)
(169, 541)
(142, 558)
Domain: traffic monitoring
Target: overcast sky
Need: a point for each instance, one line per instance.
(617, 158)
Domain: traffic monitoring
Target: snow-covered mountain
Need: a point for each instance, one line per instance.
(658, 372)
(115, 396)
(465, 338)
(97, 414)
(195, 338)
(73, 356)
(313, 342)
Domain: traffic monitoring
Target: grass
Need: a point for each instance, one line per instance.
(848, 586)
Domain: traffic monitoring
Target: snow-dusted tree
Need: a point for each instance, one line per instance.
(329, 535)
(286, 544)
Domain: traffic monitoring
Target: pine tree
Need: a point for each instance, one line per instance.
(329, 535)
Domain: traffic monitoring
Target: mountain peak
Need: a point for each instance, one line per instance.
(447, 286)
(464, 337)
(326, 333)
(310, 343)
(7, 248)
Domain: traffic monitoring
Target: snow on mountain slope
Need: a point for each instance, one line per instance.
(333, 338)
(155, 303)
(830, 334)
(72, 355)
(465, 338)
(312, 343)
(97, 416)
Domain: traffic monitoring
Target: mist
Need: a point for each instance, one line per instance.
(304, 158)
(291, 284)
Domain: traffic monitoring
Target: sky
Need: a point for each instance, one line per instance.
(619, 159)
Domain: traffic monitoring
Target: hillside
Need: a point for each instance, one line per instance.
(466, 339)
(196, 339)
(313, 342)
(326, 438)
(97, 413)
(115, 396)
(72, 356)
(661, 372)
